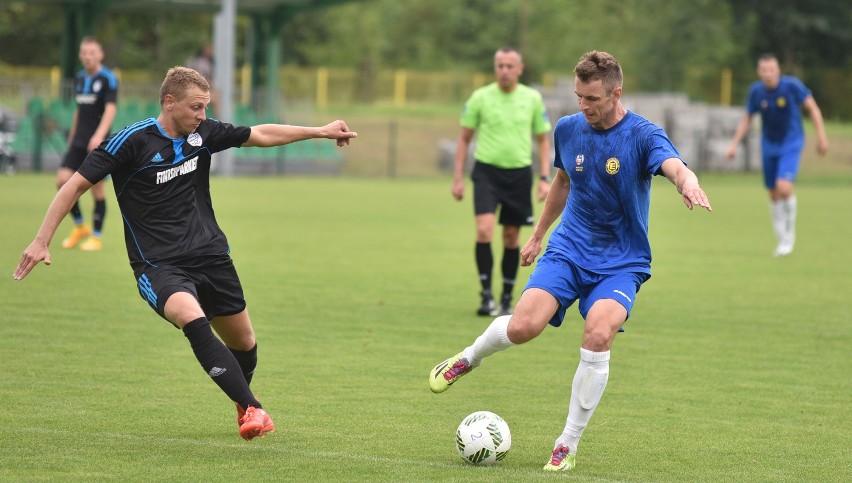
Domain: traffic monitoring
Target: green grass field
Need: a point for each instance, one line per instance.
(733, 367)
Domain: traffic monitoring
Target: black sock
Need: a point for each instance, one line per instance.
(98, 216)
(76, 213)
(247, 360)
(218, 362)
(511, 260)
(484, 264)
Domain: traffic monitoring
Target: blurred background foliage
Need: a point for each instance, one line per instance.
(664, 45)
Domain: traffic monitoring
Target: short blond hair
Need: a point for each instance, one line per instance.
(178, 80)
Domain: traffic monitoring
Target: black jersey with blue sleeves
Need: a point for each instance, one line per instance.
(92, 93)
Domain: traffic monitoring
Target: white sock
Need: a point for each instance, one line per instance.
(779, 219)
(790, 206)
(586, 391)
(494, 339)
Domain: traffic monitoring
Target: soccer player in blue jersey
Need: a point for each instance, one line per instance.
(179, 255)
(599, 255)
(780, 100)
(96, 95)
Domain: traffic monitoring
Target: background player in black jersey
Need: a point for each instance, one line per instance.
(179, 255)
(96, 95)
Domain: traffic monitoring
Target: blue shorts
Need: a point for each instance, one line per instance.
(781, 166)
(568, 282)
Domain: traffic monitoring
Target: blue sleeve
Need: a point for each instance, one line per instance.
(800, 91)
(752, 101)
(660, 148)
(557, 157)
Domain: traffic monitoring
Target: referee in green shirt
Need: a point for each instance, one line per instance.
(506, 116)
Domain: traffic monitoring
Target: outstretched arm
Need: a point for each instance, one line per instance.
(686, 182)
(553, 207)
(37, 251)
(268, 135)
(816, 116)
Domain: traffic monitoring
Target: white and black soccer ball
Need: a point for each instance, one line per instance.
(483, 438)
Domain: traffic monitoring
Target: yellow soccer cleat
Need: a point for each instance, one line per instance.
(93, 243)
(446, 373)
(561, 460)
(78, 233)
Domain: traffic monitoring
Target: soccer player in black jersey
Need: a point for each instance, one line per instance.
(179, 255)
(96, 95)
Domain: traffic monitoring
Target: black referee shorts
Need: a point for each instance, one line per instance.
(212, 280)
(509, 188)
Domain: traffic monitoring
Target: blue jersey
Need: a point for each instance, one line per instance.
(780, 112)
(604, 227)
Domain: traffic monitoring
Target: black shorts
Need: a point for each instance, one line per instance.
(509, 188)
(74, 157)
(212, 280)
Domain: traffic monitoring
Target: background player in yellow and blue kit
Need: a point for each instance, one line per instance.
(778, 98)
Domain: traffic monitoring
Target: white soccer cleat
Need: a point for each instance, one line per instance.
(783, 249)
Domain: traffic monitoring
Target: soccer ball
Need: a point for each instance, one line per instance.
(483, 438)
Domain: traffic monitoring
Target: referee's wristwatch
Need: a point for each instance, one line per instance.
(544, 178)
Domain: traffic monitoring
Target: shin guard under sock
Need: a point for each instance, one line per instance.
(218, 362)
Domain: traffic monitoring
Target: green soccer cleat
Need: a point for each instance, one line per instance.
(448, 372)
(561, 460)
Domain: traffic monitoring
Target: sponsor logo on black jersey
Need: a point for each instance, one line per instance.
(171, 173)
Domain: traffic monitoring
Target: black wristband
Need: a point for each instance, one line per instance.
(544, 178)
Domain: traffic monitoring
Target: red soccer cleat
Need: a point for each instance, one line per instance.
(255, 422)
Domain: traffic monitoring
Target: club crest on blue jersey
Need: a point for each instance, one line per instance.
(579, 163)
(781, 102)
(612, 165)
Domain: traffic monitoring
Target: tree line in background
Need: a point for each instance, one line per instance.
(664, 45)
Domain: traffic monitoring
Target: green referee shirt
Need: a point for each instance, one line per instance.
(505, 124)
